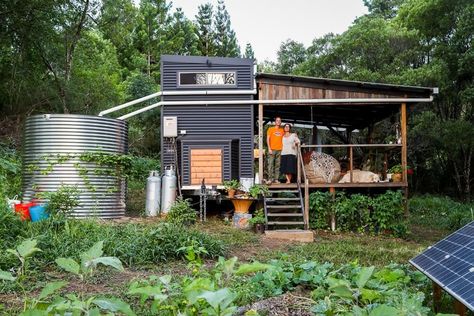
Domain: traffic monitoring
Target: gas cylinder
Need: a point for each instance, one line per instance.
(168, 190)
(153, 194)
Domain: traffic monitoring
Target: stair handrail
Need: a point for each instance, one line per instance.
(300, 168)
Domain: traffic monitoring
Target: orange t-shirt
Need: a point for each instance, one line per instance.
(276, 137)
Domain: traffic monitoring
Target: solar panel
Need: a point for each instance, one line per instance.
(450, 263)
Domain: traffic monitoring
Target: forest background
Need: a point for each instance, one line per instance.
(83, 56)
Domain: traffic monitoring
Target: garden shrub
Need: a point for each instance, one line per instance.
(62, 201)
(359, 213)
(10, 172)
(320, 207)
(133, 244)
(442, 212)
(181, 213)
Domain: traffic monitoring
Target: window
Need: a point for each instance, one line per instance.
(207, 78)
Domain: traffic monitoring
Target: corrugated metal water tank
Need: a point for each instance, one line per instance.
(52, 147)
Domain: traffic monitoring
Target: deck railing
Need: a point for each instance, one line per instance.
(302, 178)
(351, 153)
(302, 172)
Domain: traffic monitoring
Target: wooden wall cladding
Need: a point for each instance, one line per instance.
(206, 164)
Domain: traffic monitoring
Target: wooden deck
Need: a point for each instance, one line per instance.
(342, 185)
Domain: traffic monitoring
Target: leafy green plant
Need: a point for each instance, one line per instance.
(320, 205)
(23, 252)
(89, 261)
(258, 217)
(233, 184)
(10, 167)
(397, 169)
(181, 213)
(62, 201)
(360, 213)
(258, 189)
(193, 252)
(73, 305)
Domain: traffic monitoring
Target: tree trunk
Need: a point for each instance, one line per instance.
(467, 175)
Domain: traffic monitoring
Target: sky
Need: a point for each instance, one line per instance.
(267, 23)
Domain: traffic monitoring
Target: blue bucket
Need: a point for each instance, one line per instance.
(38, 213)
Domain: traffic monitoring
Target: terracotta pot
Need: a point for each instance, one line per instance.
(231, 193)
(259, 228)
(397, 177)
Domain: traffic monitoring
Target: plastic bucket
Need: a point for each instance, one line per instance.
(38, 213)
(23, 209)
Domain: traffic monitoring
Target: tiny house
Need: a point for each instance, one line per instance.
(214, 111)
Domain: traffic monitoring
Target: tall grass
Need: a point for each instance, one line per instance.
(134, 244)
(440, 212)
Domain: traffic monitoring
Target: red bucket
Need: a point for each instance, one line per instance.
(23, 209)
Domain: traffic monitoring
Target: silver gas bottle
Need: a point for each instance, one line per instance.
(153, 194)
(168, 190)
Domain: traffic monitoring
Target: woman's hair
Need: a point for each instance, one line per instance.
(287, 124)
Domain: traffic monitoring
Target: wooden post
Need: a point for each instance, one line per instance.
(260, 141)
(298, 164)
(403, 127)
(332, 190)
(437, 294)
(306, 203)
(459, 308)
(351, 165)
(403, 124)
(314, 134)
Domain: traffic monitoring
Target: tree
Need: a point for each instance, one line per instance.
(225, 39)
(96, 77)
(249, 53)
(181, 35)
(118, 21)
(384, 8)
(150, 35)
(205, 31)
(290, 54)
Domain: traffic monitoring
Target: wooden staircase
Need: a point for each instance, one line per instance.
(284, 208)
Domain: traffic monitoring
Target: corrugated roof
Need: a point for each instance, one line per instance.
(348, 83)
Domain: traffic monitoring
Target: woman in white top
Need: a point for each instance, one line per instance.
(288, 153)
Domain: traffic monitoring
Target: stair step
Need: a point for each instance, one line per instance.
(282, 199)
(285, 223)
(284, 206)
(283, 191)
(284, 214)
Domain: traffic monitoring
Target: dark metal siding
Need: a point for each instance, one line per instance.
(234, 121)
(235, 158)
(172, 65)
(208, 122)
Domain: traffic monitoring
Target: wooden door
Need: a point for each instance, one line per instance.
(207, 164)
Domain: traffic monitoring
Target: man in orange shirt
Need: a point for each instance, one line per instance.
(275, 144)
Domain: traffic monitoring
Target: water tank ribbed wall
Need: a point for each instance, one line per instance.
(53, 145)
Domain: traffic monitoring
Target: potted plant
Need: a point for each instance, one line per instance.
(258, 189)
(258, 221)
(396, 172)
(231, 186)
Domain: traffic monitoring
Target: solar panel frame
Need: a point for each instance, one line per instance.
(456, 277)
